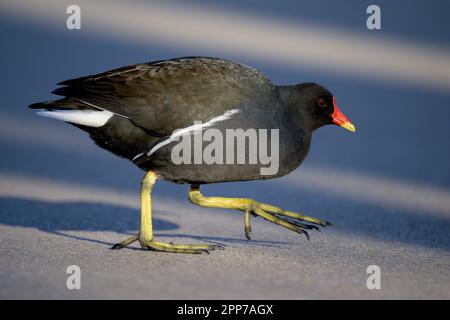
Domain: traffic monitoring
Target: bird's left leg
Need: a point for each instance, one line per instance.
(145, 236)
(288, 219)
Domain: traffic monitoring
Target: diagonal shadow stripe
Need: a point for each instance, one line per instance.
(232, 32)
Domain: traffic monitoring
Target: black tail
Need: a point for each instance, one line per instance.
(62, 104)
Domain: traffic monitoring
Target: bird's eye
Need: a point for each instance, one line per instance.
(322, 102)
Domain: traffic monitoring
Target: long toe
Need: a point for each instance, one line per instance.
(125, 243)
(179, 248)
(118, 246)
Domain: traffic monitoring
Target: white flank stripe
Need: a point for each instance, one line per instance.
(87, 118)
(185, 131)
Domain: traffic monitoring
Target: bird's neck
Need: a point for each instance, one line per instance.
(298, 113)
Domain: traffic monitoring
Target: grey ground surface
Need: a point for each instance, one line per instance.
(63, 201)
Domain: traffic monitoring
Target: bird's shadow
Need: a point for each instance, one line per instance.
(58, 217)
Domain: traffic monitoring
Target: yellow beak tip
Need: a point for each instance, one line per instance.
(349, 126)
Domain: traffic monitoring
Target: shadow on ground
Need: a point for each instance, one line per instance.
(55, 218)
(74, 216)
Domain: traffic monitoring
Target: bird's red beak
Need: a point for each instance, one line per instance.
(340, 119)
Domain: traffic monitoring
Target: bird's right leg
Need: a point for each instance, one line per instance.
(145, 236)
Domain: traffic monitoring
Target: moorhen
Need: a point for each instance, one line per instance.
(150, 113)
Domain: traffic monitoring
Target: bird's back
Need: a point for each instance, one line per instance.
(163, 96)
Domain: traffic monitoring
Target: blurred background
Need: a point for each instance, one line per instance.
(386, 188)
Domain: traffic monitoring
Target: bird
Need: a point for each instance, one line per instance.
(149, 112)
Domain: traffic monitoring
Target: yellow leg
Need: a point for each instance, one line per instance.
(248, 227)
(288, 219)
(145, 236)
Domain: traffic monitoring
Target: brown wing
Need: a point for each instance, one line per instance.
(165, 95)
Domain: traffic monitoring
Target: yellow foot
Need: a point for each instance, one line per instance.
(288, 219)
(293, 221)
(167, 247)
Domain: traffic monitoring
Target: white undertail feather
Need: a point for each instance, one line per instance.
(89, 118)
(100, 108)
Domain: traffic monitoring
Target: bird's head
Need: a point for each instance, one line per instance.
(314, 106)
